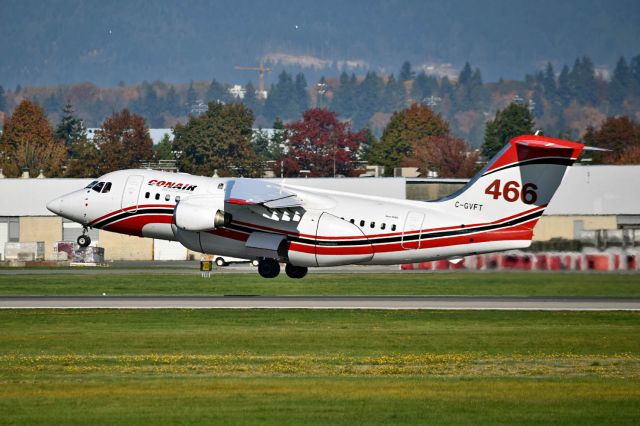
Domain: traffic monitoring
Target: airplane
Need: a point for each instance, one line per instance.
(273, 221)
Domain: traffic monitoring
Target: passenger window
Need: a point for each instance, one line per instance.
(221, 186)
(157, 196)
(373, 225)
(352, 220)
(393, 227)
(146, 195)
(107, 187)
(362, 223)
(98, 186)
(383, 225)
(177, 198)
(167, 197)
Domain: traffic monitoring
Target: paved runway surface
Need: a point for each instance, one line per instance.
(327, 302)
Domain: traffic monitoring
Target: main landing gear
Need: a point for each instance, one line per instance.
(270, 268)
(84, 240)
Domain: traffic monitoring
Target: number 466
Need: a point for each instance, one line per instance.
(511, 191)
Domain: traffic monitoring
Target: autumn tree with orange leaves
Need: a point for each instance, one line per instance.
(28, 144)
(123, 142)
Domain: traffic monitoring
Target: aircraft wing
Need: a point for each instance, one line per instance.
(260, 192)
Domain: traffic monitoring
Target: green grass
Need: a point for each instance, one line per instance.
(159, 283)
(318, 367)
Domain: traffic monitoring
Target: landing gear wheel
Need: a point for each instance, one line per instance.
(220, 262)
(255, 262)
(268, 268)
(296, 272)
(83, 240)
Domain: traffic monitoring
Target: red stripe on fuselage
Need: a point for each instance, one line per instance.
(133, 225)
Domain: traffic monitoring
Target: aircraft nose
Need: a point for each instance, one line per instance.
(55, 206)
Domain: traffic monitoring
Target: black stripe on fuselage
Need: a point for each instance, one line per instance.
(555, 161)
(127, 214)
(397, 238)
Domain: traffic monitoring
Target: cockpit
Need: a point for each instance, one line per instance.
(99, 186)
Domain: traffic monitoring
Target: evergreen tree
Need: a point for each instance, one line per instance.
(620, 84)
(549, 82)
(393, 94)
(301, 94)
(3, 100)
(251, 100)
(343, 101)
(514, 120)
(70, 129)
(369, 99)
(282, 100)
(464, 78)
(217, 92)
(172, 102)
(423, 87)
(583, 79)
(565, 87)
(406, 73)
(634, 66)
(164, 148)
(192, 97)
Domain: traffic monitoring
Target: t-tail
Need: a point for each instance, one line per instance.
(508, 196)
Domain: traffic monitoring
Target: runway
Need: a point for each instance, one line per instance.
(325, 302)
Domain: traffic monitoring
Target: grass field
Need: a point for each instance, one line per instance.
(318, 367)
(164, 283)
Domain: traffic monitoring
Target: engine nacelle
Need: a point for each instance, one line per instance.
(201, 213)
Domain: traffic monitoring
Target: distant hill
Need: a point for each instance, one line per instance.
(105, 42)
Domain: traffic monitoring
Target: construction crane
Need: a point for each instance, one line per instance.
(262, 93)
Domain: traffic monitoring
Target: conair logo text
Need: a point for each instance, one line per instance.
(172, 185)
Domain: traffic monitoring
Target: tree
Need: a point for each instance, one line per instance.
(217, 92)
(251, 100)
(583, 77)
(164, 149)
(406, 73)
(27, 143)
(447, 155)
(565, 87)
(85, 161)
(70, 129)
(124, 142)
(283, 98)
(219, 139)
(322, 144)
(393, 94)
(549, 82)
(621, 135)
(343, 97)
(302, 96)
(3, 100)
(172, 102)
(403, 133)
(514, 120)
(424, 86)
(192, 97)
(620, 84)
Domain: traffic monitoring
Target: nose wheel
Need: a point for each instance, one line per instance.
(84, 240)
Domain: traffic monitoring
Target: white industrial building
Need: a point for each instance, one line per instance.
(591, 197)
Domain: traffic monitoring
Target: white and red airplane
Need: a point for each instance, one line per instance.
(272, 221)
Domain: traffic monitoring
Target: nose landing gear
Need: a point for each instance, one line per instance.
(84, 240)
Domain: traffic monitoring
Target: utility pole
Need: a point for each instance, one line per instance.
(262, 92)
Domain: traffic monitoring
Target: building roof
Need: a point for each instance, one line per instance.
(586, 190)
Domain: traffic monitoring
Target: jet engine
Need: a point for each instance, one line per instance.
(201, 213)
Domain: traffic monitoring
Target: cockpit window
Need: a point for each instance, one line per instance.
(107, 187)
(91, 184)
(98, 186)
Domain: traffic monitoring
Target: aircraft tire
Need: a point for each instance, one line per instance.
(220, 262)
(268, 268)
(83, 241)
(296, 272)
